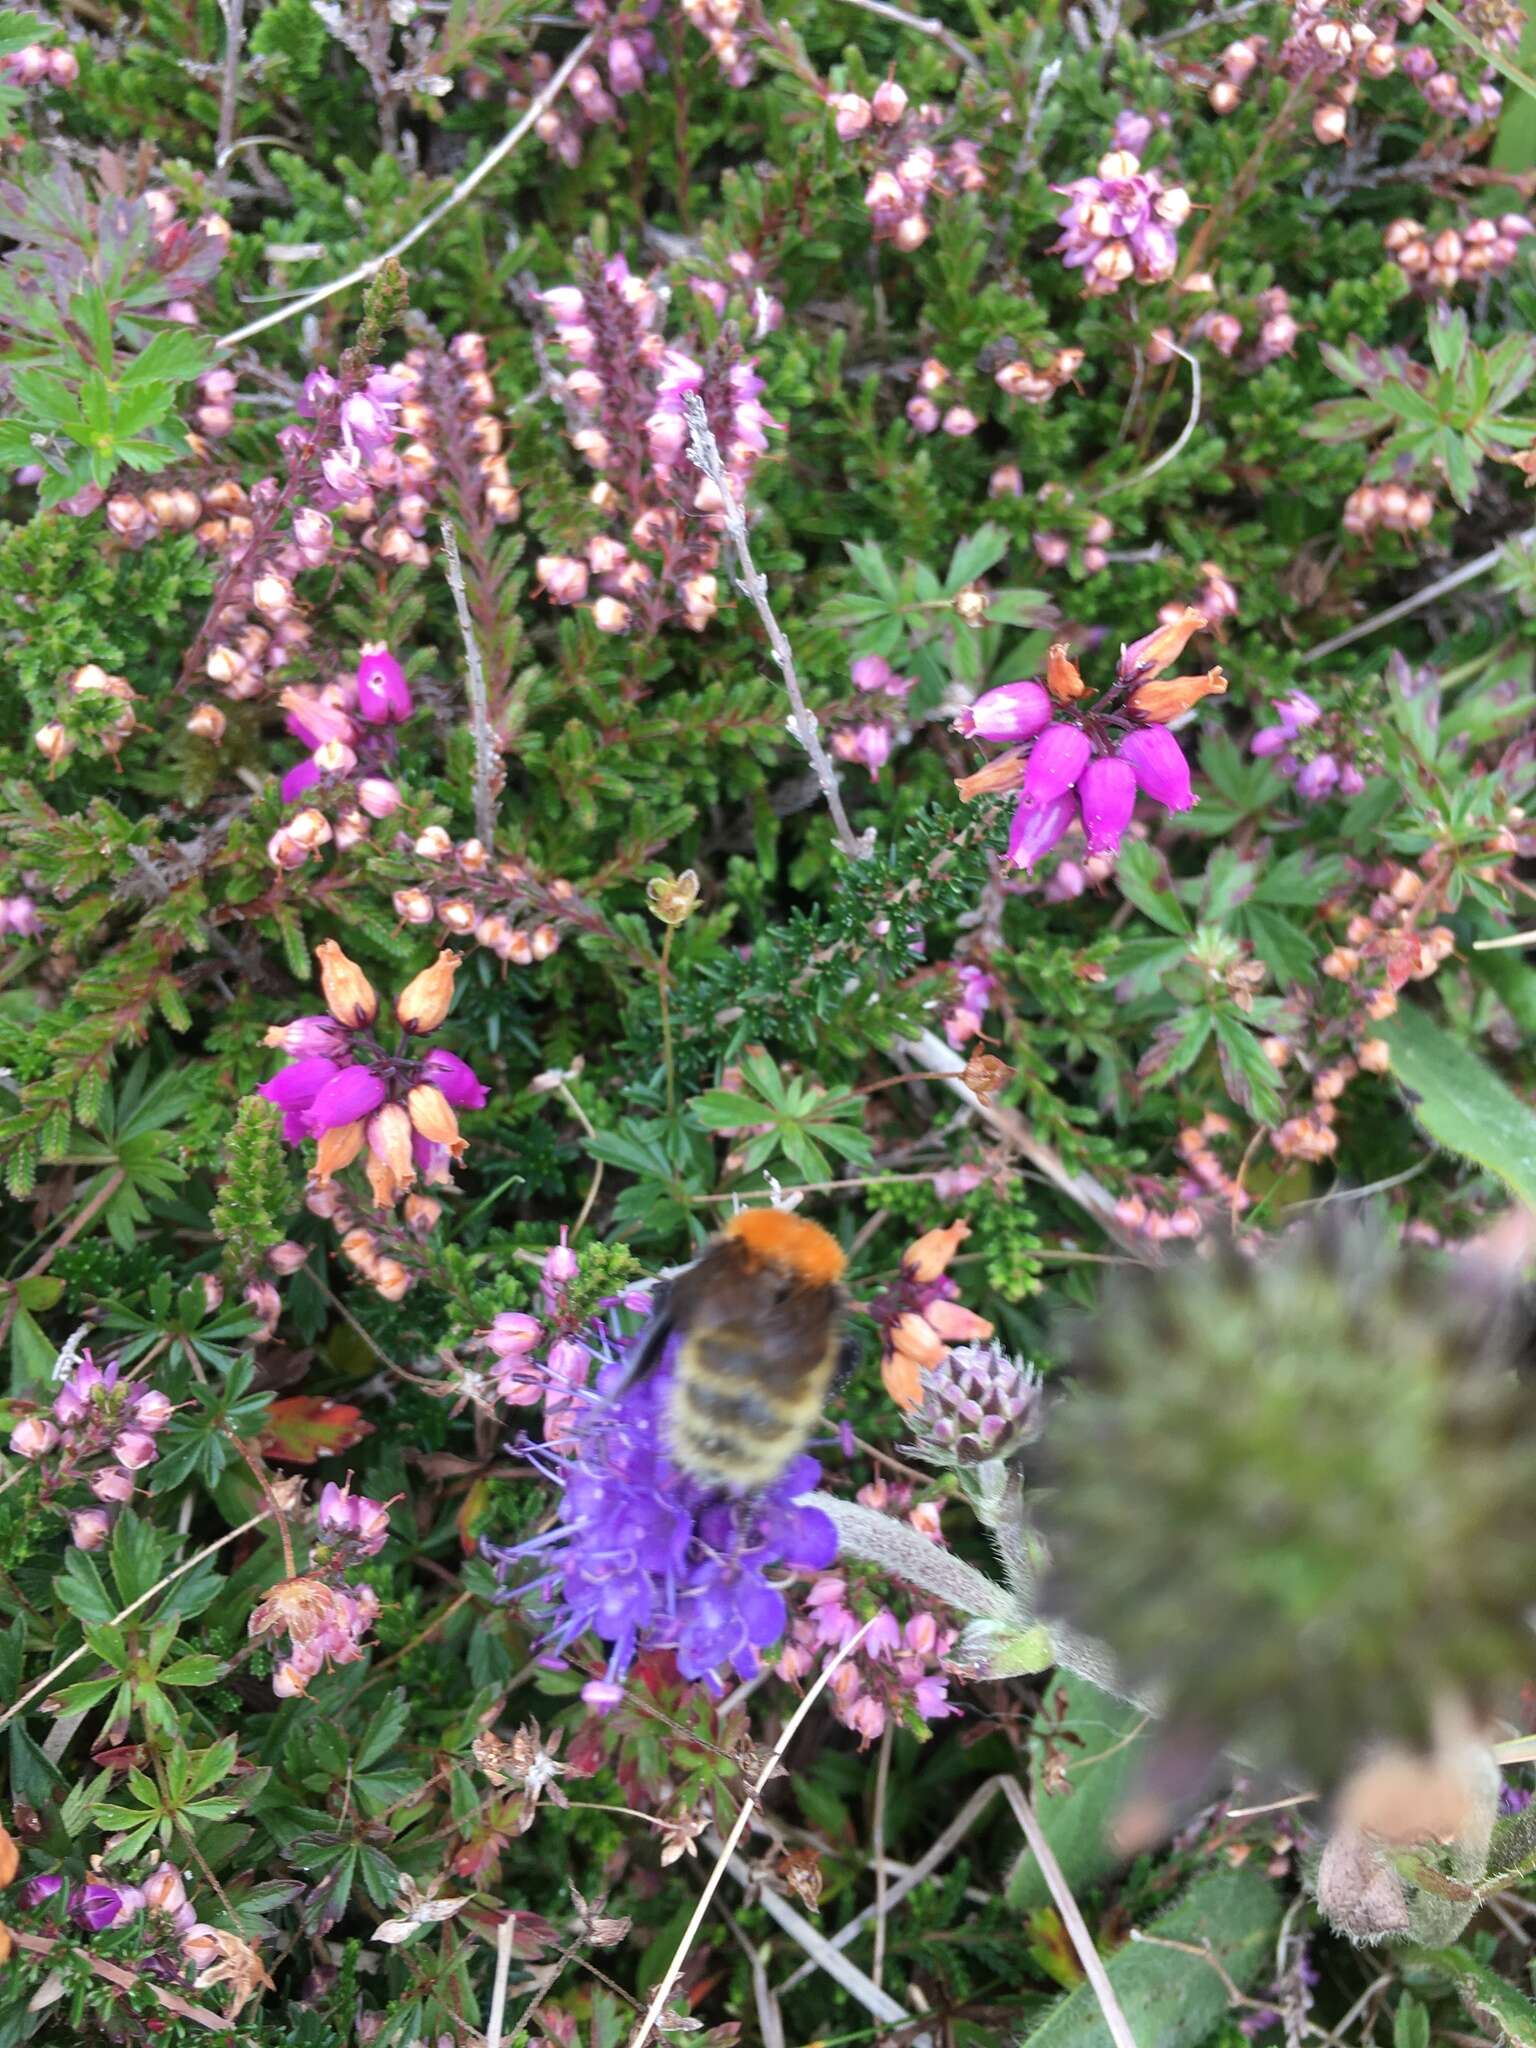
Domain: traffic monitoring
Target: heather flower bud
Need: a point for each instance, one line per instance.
(609, 615)
(853, 115)
(425, 1001)
(89, 1528)
(208, 722)
(349, 995)
(976, 1404)
(53, 742)
(1061, 675)
(1330, 123)
(134, 1449)
(287, 1257)
(889, 103)
(1158, 702)
(34, 1437)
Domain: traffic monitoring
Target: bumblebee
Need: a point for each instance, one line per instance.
(759, 1314)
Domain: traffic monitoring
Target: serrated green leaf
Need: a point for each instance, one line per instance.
(1139, 872)
(1460, 1101)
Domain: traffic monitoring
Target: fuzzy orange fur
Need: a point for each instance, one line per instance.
(774, 1237)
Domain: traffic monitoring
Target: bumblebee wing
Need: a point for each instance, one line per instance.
(646, 1351)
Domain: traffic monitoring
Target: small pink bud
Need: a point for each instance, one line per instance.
(34, 1437)
(287, 1257)
(89, 1528)
(889, 103)
(134, 1449)
(112, 1483)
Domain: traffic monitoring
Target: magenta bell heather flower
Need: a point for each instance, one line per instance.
(45, 1886)
(1318, 778)
(1010, 713)
(383, 694)
(1056, 761)
(1158, 764)
(455, 1079)
(1107, 795)
(1037, 827)
(293, 1090)
(1089, 755)
(645, 1557)
(350, 1093)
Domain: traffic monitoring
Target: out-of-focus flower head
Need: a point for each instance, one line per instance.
(1121, 223)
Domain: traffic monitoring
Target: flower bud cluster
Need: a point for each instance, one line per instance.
(742, 294)
(1275, 333)
(627, 388)
(395, 1109)
(324, 1618)
(100, 1431)
(35, 67)
(1440, 261)
(896, 1677)
(1391, 507)
(97, 712)
(1316, 752)
(1122, 223)
(898, 148)
(1076, 761)
(473, 896)
(624, 54)
(1204, 1192)
(348, 727)
(719, 22)
(920, 1317)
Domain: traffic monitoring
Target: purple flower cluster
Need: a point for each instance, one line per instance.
(870, 741)
(366, 419)
(644, 1557)
(101, 1430)
(348, 728)
(624, 54)
(1121, 224)
(909, 165)
(1318, 771)
(35, 65)
(1087, 761)
(324, 1618)
(345, 1090)
(628, 387)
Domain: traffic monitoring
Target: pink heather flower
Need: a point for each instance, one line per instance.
(1056, 761)
(351, 1093)
(871, 672)
(853, 115)
(353, 1519)
(922, 414)
(34, 1437)
(1010, 713)
(18, 914)
(379, 797)
(868, 744)
(165, 1890)
(89, 1528)
(889, 103)
(293, 1090)
(1107, 794)
(303, 775)
(1120, 224)
(134, 1449)
(97, 1906)
(1318, 778)
(112, 1484)
(150, 1408)
(626, 73)
(383, 695)
(1037, 827)
(513, 1334)
(1132, 131)
(1157, 761)
(884, 1637)
(561, 1265)
(311, 1038)
(454, 1079)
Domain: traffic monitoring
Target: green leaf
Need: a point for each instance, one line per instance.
(1461, 1102)
(138, 1552)
(1410, 2024)
(1246, 1069)
(174, 356)
(1100, 1760)
(1139, 871)
(975, 555)
(81, 1589)
(1494, 2004)
(1170, 1999)
(196, 1669)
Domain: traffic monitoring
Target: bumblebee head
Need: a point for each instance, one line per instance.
(773, 1237)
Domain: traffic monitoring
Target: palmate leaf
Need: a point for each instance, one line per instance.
(1461, 1102)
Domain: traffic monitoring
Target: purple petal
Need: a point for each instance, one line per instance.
(1107, 793)
(1157, 761)
(296, 1085)
(353, 1093)
(383, 695)
(1056, 760)
(301, 776)
(1012, 712)
(808, 1539)
(1037, 827)
(455, 1079)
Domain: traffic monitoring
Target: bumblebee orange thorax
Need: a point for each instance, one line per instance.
(774, 1237)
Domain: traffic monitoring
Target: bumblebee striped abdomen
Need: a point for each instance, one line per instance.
(733, 1423)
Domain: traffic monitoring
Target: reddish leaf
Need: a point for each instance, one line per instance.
(303, 1427)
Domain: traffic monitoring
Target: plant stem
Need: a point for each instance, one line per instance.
(666, 1020)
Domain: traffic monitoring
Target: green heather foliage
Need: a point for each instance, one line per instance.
(410, 954)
